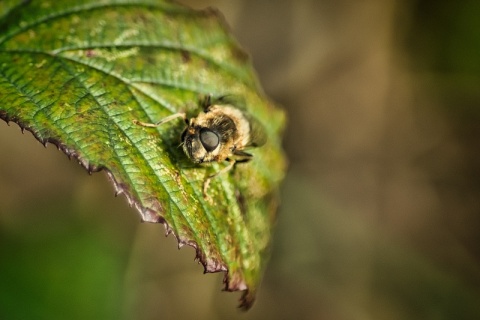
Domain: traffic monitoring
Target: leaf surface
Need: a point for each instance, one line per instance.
(77, 74)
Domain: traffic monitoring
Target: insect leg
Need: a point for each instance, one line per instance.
(226, 169)
(242, 156)
(182, 115)
(206, 102)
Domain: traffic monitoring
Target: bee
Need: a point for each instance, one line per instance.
(220, 132)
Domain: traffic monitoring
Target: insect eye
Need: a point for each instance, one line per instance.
(209, 139)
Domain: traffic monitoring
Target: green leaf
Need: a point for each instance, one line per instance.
(77, 74)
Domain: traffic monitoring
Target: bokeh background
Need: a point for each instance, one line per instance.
(380, 208)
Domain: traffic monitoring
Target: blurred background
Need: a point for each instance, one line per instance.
(380, 208)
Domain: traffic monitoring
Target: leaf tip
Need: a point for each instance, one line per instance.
(237, 283)
(247, 300)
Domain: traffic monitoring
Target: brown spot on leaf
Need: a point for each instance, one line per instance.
(185, 56)
(90, 53)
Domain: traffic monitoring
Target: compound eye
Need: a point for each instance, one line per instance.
(209, 139)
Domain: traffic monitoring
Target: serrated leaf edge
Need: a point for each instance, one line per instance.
(231, 283)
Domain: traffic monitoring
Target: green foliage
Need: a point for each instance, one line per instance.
(77, 73)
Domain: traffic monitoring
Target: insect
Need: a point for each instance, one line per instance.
(220, 132)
